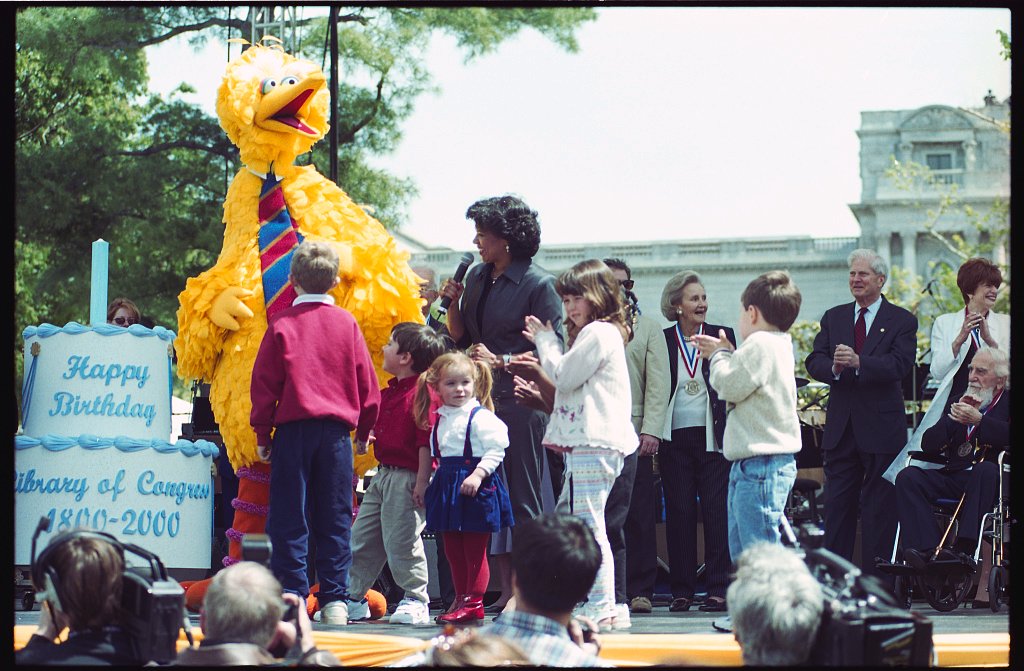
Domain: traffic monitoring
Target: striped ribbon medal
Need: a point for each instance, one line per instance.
(278, 238)
(975, 333)
(690, 359)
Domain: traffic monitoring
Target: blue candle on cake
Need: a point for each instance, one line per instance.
(98, 295)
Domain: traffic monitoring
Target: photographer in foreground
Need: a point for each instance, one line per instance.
(81, 591)
(243, 623)
(776, 606)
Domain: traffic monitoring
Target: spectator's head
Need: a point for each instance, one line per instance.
(468, 648)
(684, 298)
(506, 228)
(979, 280)
(554, 563)
(421, 343)
(123, 312)
(242, 605)
(603, 301)
(987, 375)
(776, 606)
(775, 297)
(81, 574)
(868, 272)
(428, 286)
(314, 268)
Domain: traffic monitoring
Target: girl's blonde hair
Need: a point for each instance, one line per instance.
(431, 377)
(594, 281)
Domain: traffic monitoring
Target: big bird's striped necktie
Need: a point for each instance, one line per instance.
(278, 238)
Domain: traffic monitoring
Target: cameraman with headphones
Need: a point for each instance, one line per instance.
(244, 622)
(80, 581)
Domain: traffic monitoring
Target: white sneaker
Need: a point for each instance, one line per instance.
(410, 611)
(358, 610)
(336, 612)
(621, 620)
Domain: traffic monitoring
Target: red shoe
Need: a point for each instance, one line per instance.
(456, 604)
(472, 610)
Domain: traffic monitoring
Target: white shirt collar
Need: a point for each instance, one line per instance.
(449, 411)
(313, 298)
(872, 309)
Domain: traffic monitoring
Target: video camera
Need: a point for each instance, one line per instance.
(153, 602)
(257, 548)
(862, 625)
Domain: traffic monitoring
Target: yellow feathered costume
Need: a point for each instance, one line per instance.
(274, 107)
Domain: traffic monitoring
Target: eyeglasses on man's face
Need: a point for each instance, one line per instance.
(124, 321)
(626, 284)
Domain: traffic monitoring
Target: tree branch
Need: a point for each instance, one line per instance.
(180, 144)
(365, 121)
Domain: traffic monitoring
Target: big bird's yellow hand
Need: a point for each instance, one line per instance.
(228, 307)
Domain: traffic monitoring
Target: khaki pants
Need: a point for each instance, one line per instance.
(387, 529)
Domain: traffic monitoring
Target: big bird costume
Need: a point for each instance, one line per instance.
(274, 107)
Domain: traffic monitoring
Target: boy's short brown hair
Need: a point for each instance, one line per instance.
(776, 296)
(314, 266)
(419, 340)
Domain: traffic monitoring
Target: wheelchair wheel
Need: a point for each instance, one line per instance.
(997, 585)
(904, 591)
(946, 592)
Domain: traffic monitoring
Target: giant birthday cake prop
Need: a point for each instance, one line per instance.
(96, 449)
(274, 107)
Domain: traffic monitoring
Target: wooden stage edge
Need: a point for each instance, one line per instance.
(953, 650)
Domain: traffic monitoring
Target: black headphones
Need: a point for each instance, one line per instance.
(45, 578)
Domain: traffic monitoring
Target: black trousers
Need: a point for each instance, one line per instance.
(689, 472)
(854, 483)
(615, 511)
(917, 489)
(523, 468)
(639, 530)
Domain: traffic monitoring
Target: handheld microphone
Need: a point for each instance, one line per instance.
(460, 273)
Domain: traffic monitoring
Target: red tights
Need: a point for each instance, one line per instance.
(466, 552)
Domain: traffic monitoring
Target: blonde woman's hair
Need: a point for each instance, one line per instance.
(594, 281)
(430, 378)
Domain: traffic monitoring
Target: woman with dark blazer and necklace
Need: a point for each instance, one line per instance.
(691, 463)
(488, 322)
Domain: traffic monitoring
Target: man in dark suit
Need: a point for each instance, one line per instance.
(976, 429)
(863, 351)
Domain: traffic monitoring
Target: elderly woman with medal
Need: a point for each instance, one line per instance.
(691, 463)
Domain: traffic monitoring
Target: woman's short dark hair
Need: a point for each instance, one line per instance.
(974, 272)
(512, 220)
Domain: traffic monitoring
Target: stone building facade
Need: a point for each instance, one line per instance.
(968, 148)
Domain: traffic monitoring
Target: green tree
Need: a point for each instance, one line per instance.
(97, 156)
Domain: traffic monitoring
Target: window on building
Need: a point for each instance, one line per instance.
(939, 161)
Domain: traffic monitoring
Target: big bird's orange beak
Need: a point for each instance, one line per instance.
(286, 100)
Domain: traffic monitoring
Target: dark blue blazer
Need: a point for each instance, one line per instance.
(717, 404)
(947, 435)
(872, 399)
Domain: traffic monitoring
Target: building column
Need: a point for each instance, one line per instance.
(883, 247)
(909, 240)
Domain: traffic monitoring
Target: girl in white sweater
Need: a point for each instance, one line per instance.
(591, 422)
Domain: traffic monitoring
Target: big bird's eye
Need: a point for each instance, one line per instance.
(290, 81)
(268, 84)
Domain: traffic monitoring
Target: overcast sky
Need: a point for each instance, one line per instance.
(678, 122)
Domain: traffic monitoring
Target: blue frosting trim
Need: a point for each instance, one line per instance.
(56, 443)
(74, 328)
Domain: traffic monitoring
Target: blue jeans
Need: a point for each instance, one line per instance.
(758, 490)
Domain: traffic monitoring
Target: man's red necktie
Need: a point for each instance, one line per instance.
(860, 331)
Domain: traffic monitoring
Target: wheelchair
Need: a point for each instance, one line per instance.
(947, 579)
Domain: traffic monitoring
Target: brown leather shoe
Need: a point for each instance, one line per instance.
(640, 604)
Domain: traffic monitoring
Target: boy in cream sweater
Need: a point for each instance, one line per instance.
(762, 432)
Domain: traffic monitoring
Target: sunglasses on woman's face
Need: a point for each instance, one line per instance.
(626, 284)
(124, 321)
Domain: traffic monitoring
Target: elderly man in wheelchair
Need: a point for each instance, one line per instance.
(968, 439)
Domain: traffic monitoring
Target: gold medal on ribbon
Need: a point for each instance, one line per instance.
(965, 449)
(692, 387)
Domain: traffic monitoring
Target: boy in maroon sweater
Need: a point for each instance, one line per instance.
(391, 516)
(313, 383)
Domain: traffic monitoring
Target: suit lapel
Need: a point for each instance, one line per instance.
(673, 358)
(878, 326)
